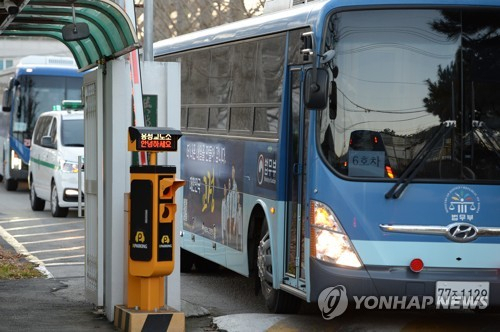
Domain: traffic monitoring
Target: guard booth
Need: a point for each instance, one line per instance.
(108, 115)
(99, 34)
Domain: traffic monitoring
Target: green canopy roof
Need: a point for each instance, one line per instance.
(111, 32)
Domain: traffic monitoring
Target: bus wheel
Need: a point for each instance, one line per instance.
(11, 185)
(187, 261)
(277, 301)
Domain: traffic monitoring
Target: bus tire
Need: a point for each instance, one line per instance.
(11, 185)
(37, 204)
(187, 261)
(203, 265)
(277, 301)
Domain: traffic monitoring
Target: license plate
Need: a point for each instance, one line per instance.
(462, 294)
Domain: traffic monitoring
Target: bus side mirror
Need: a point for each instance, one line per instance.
(75, 31)
(6, 101)
(316, 88)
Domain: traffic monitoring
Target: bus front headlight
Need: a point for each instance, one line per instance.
(329, 242)
(15, 161)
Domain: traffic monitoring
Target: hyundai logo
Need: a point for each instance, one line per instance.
(461, 232)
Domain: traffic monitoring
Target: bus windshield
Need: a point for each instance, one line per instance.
(38, 94)
(401, 77)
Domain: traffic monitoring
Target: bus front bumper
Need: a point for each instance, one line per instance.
(381, 281)
(19, 174)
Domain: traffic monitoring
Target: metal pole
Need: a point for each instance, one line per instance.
(136, 79)
(80, 163)
(148, 30)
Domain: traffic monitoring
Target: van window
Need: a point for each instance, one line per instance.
(41, 129)
(36, 133)
(72, 133)
(53, 132)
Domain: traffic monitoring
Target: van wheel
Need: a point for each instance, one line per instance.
(277, 301)
(57, 211)
(37, 204)
(11, 185)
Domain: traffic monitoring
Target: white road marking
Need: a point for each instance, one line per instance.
(49, 233)
(41, 225)
(61, 258)
(55, 240)
(13, 220)
(62, 264)
(58, 249)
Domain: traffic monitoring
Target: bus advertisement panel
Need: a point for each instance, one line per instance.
(218, 172)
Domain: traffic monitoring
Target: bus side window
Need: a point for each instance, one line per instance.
(17, 101)
(327, 145)
(332, 102)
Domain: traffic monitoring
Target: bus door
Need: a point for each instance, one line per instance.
(296, 207)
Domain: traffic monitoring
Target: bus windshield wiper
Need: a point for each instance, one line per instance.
(415, 165)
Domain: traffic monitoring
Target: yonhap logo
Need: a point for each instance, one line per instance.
(333, 302)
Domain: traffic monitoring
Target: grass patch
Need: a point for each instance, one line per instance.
(15, 266)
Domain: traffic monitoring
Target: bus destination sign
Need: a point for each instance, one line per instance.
(153, 139)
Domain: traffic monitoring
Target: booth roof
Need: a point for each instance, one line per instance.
(111, 31)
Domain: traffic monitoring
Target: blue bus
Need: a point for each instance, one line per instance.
(350, 143)
(39, 84)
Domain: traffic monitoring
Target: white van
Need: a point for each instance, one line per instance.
(57, 142)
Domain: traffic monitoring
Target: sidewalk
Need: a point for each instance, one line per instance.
(56, 305)
(49, 305)
(33, 305)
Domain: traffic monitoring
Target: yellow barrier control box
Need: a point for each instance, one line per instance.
(152, 212)
(151, 219)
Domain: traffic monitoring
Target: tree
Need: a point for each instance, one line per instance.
(478, 59)
(176, 17)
